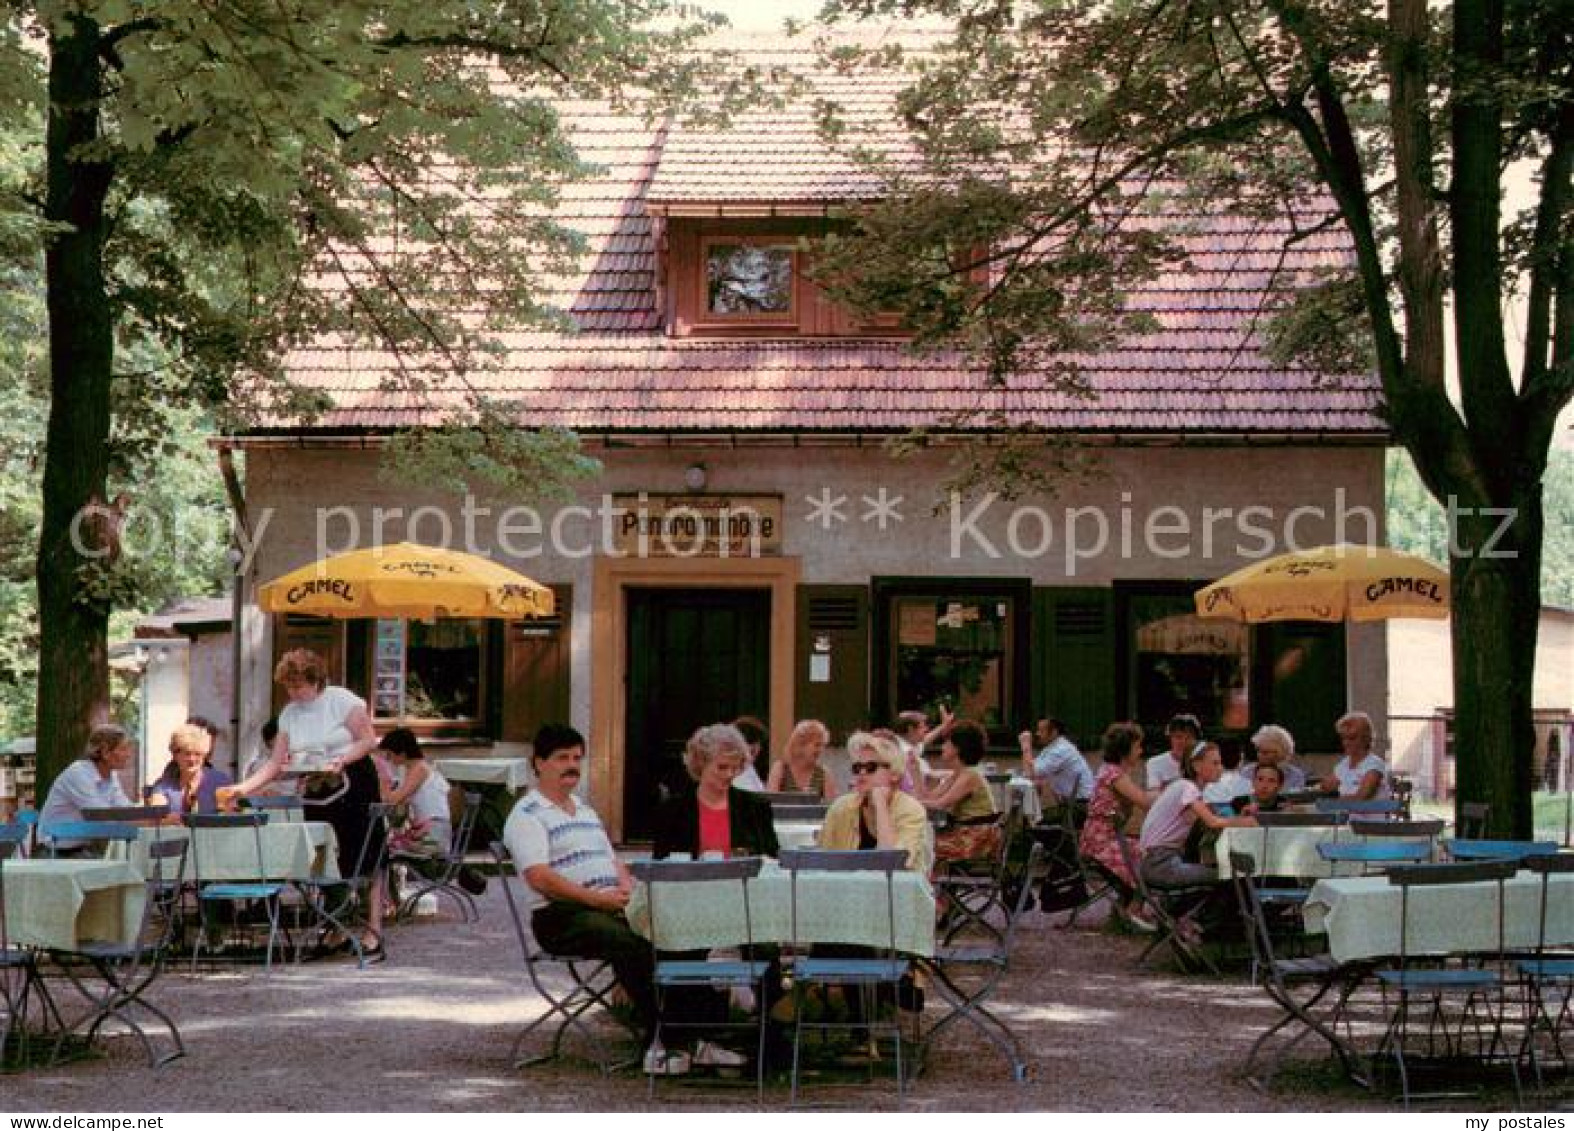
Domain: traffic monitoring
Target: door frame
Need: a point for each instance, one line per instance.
(609, 644)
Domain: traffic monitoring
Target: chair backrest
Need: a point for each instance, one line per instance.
(1351, 805)
(459, 843)
(99, 833)
(128, 814)
(1319, 820)
(12, 837)
(790, 797)
(1399, 828)
(805, 812)
(1461, 850)
(285, 805)
(508, 875)
(1411, 876)
(165, 876)
(887, 861)
(997, 777)
(252, 820)
(374, 844)
(1128, 855)
(1474, 817)
(1549, 864)
(655, 874)
(1376, 853)
(1024, 891)
(1243, 877)
(1300, 796)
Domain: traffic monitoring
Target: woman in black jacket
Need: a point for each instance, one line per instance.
(715, 816)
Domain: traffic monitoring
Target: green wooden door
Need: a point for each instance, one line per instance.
(694, 657)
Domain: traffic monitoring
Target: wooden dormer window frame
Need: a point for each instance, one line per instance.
(688, 244)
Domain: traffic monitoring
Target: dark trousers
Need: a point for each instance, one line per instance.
(574, 929)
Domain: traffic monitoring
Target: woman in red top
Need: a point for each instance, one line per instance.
(716, 816)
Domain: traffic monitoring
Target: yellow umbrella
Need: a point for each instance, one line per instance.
(408, 581)
(1330, 583)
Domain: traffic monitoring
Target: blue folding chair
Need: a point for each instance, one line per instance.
(17, 958)
(1479, 983)
(256, 888)
(676, 974)
(1549, 975)
(882, 968)
(126, 970)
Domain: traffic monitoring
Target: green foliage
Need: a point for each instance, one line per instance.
(369, 174)
(487, 450)
(351, 174)
(1417, 522)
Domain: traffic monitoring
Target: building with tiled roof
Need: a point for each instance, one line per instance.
(708, 374)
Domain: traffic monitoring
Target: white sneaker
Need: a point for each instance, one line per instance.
(711, 1055)
(662, 1062)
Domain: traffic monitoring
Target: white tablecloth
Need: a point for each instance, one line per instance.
(839, 907)
(63, 903)
(1292, 852)
(291, 850)
(512, 773)
(797, 834)
(1032, 808)
(1360, 915)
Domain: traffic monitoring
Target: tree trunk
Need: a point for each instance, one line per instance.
(1496, 614)
(73, 675)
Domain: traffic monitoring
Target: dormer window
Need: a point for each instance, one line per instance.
(753, 278)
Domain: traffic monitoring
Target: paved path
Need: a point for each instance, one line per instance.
(431, 1028)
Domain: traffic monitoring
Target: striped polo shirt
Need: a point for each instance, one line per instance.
(574, 845)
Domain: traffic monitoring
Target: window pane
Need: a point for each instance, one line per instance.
(748, 279)
(427, 671)
(956, 652)
(443, 670)
(1186, 663)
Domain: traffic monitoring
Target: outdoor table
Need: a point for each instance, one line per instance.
(1032, 808)
(1360, 915)
(833, 907)
(1292, 851)
(797, 834)
(60, 904)
(291, 850)
(511, 773)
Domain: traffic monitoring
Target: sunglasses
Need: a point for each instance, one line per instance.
(866, 767)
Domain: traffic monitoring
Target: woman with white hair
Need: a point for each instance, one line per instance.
(1276, 747)
(716, 816)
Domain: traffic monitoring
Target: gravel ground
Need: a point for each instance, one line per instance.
(431, 1029)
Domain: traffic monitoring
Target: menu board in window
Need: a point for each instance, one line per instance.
(388, 670)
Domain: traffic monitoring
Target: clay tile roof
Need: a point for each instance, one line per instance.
(1202, 372)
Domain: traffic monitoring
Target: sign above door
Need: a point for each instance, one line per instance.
(697, 526)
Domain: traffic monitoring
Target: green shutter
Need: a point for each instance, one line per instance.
(1074, 659)
(836, 616)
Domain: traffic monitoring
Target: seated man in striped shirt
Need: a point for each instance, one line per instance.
(578, 887)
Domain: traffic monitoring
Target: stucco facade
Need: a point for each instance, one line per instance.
(1178, 514)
